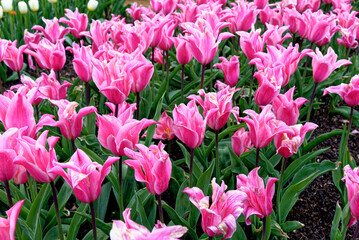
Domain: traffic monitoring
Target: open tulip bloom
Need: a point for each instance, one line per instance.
(8, 226)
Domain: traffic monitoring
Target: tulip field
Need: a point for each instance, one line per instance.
(183, 119)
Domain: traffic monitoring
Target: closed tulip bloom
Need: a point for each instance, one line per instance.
(1, 12)
(261, 3)
(37, 160)
(159, 57)
(34, 5)
(286, 109)
(270, 82)
(166, 35)
(348, 36)
(92, 5)
(183, 53)
(302, 5)
(132, 230)
(293, 19)
(287, 144)
(188, 124)
(20, 175)
(348, 92)
(76, 21)
(48, 55)
(52, 31)
(22, 7)
(164, 128)
(242, 16)
(241, 142)
(52, 1)
(252, 42)
(13, 56)
(7, 5)
(324, 65)
(142, 73)
(70, 122)
(84, 176)
(263, 127)
(82, 61)
(216, 106)
(8, 226)
(220, 217)
(259, 198)
(152, 166)
(351, 179)
(230, 70)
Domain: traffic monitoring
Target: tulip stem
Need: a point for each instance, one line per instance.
(93, 217)
(202, 76)
(210, 238)
(311, 102)
(58, 76)
(257, 156)
(182, 84)
(153, 56)
(279, 189)
(217, 159)
(87, 88)
(137, 105)
(301, 84)
(356, 231)
(264, 228)
(350, 120)
(238, 43)
(19, 75)
(37, 112)
(8, 192)
(56, 204)
(250, 87)
(191, 169)
(116, 110)
(167, 79)
(160, 209)
(120, 184)
(293, 38)
(73, 145)
(154, 68)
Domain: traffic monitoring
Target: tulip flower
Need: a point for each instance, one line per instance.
(259, 199)
(13, 56)
(220, 217)
(76, 21)
(241, 142)
(242, 16)
(7, 5)
(293, 19)
(348, 92)
(85, 178)
(230, 70)
(164, 128)
(8, 226)
(1, 12)
(52, 31)
(158, 57)
(286, 109)
(92, 5)
(20, 175)
(153, 166)
(99, 32)
(287, 144)
(70, 122)
(275, 37)
(188, 12)
(183, 53)
(132, 230)
(34, 5)
(135, 11)
(141, 74)
(261, 3)
(273, 16)
(348, 37)
(22, 7)
(302, 5)
(351, 179)
(50, 88)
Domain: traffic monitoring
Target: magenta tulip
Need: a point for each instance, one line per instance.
(52, 31)
(82, 61)
(164, 130)
(183, 54)
(241, 142)
(8, 226)
(242, 16)
(351, 179)
(13, 56)
(348, 92)
(252, 42)
(230, 70)
(76, 21)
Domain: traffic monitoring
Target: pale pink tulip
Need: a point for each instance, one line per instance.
(76, 21)
(230, 70)
(52, 31)
(8, 226)
(259, 199)
(241, 142)
(220, 217)
(84, 176)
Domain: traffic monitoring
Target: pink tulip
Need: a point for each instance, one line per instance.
(52, 31)
(132, 230)
(70, 122)
(270, 82)
(351, 179)
(273, 16)
(8, 153)
(242, 16)
(159, 57)
(118, 133)
(259, 199)
(36, 159)
(183, 54)
(82, 61)
(348, 36)
(29, 89)
(3, 46)
(313, 5)
(20, 175)
(188, 124)
(18, 112)
(348, 92)
(164, 128)
(287, 144)
(275, 37)
(263, 127)
(135, 11)
(167, 32)
(76, 21)
(230, 70)
(261, 3)
(142, 74)
(241, 142)
(293, 19)
(84, 176)
(323, 66)
(216, 106)
(156, 5)
(346, 19)
(99, 34)
(48, 55)
(31, 39)
(157, 23)
(188, 12)
(50, 87)
(152, 166)
(8, 226)
(252, 42)
(13, 56)
(220, 217)
(286, 109)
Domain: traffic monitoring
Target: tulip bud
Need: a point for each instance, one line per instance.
(1, 12)
(52, 1)
(22, 7)
(92, 5)
(7, 5)
(34, 5)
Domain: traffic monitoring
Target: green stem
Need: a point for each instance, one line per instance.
(58, 76)
(202, 76)
(120, 185)
(257, 156)
(279, 189)
(182, 84)
(160, 209)
(191, 169)
(250, 87)
(19, 75)
(311, 102)
(8, 193)
(56, 204)
(87, 88)
(93, 217)
(137, 105)
(264, 228)
(217, 159)
(301, 84)
(73, 145)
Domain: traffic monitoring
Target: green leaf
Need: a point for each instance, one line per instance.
(141, 211)
(321, 138)
(236, 163)
(76, 221)
(290, 226)
(345, 112)
(182, 199)
(101, 202)
(239, 233)
(53, 233)
(204, 180)
(105, 227)
(334, 231)
(151, 129)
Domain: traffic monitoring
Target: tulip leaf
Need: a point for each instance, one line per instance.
(76, 222)
(300, 181)
(321, 138)
(53, 233)
(239, 233)
(101, 202)
(25, 228)
(196, 170)
(334, 231)
(290, 226)
(182, 199)
(141, 211)
(204, 180)
(100, 235)
(345, 112)
(176, 219)
(237, 165)
(105, 227)
(151, 129)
